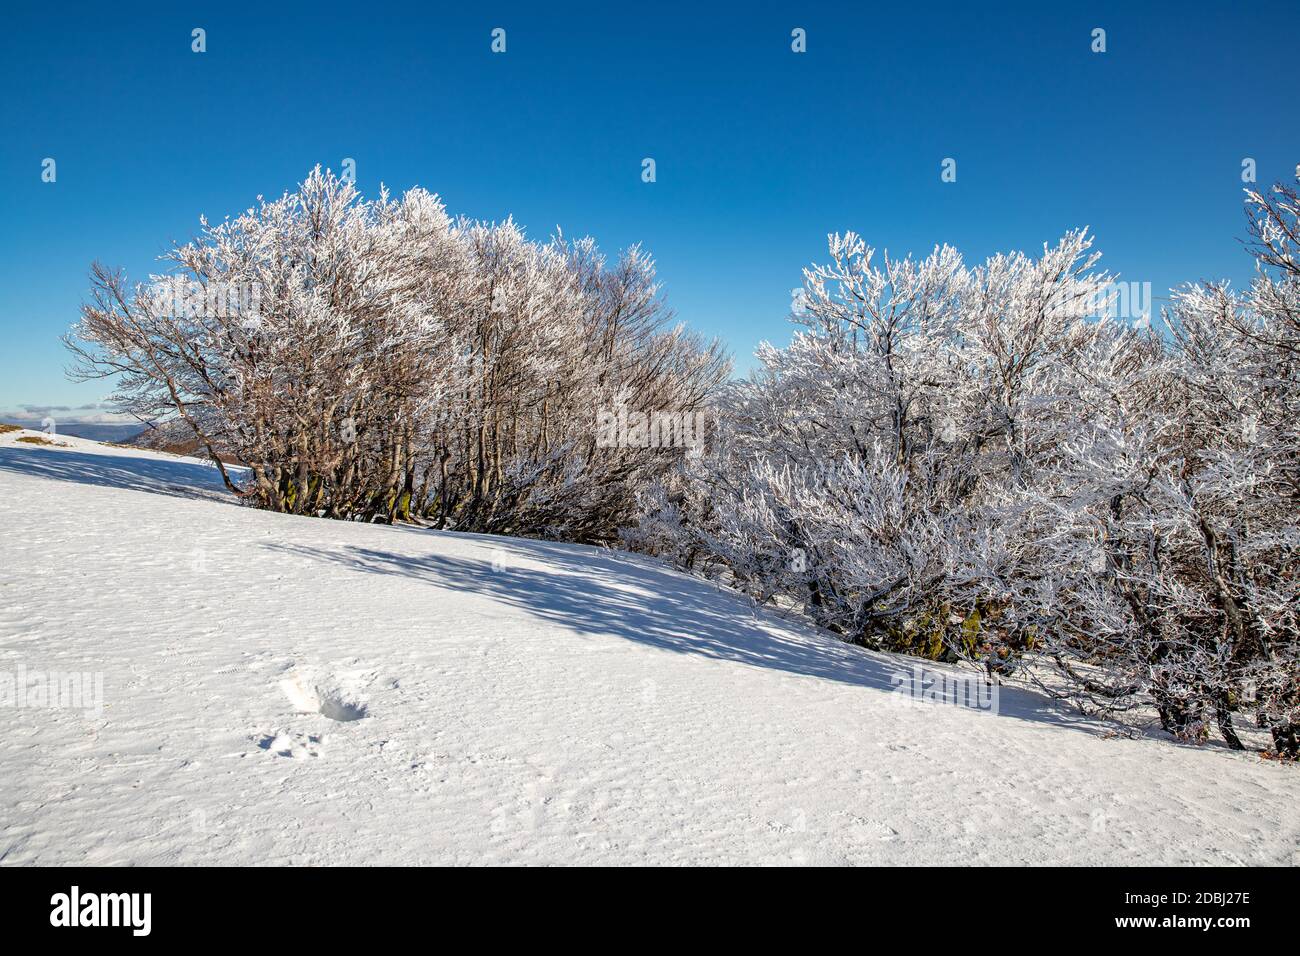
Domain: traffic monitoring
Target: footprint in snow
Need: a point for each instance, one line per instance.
(293, 745)
(329, 701)
(875, 828)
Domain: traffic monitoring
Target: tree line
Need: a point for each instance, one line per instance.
(967, 463)
(382, 361)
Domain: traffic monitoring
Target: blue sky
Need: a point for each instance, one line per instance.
(760, 151)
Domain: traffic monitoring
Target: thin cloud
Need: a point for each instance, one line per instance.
(92, 413)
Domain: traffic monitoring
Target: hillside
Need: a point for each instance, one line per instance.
(284, 690)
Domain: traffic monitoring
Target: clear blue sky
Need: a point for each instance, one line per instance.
(760, 151)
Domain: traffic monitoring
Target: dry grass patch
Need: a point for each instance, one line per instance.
(39, 440)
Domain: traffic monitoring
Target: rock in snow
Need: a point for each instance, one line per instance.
(276, 690)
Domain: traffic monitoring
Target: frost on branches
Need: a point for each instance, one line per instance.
(393, 363)
(961, 462)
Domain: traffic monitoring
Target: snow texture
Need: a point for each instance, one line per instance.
(285, 690)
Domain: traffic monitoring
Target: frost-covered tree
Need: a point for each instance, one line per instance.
(964, 462)
(379, 360)
(1189, 490)
(859, 465)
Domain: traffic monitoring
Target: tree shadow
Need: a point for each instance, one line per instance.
(160, 476)
(605, 594)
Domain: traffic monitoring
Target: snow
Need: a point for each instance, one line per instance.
(283, 690)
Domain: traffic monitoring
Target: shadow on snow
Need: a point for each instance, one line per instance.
(603, 593)
(183, 479)
(588, 590)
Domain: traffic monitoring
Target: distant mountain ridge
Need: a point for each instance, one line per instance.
(96, 431)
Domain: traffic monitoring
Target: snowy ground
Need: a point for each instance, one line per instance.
(518, 702)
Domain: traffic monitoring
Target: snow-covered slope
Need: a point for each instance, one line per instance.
(518, 702)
